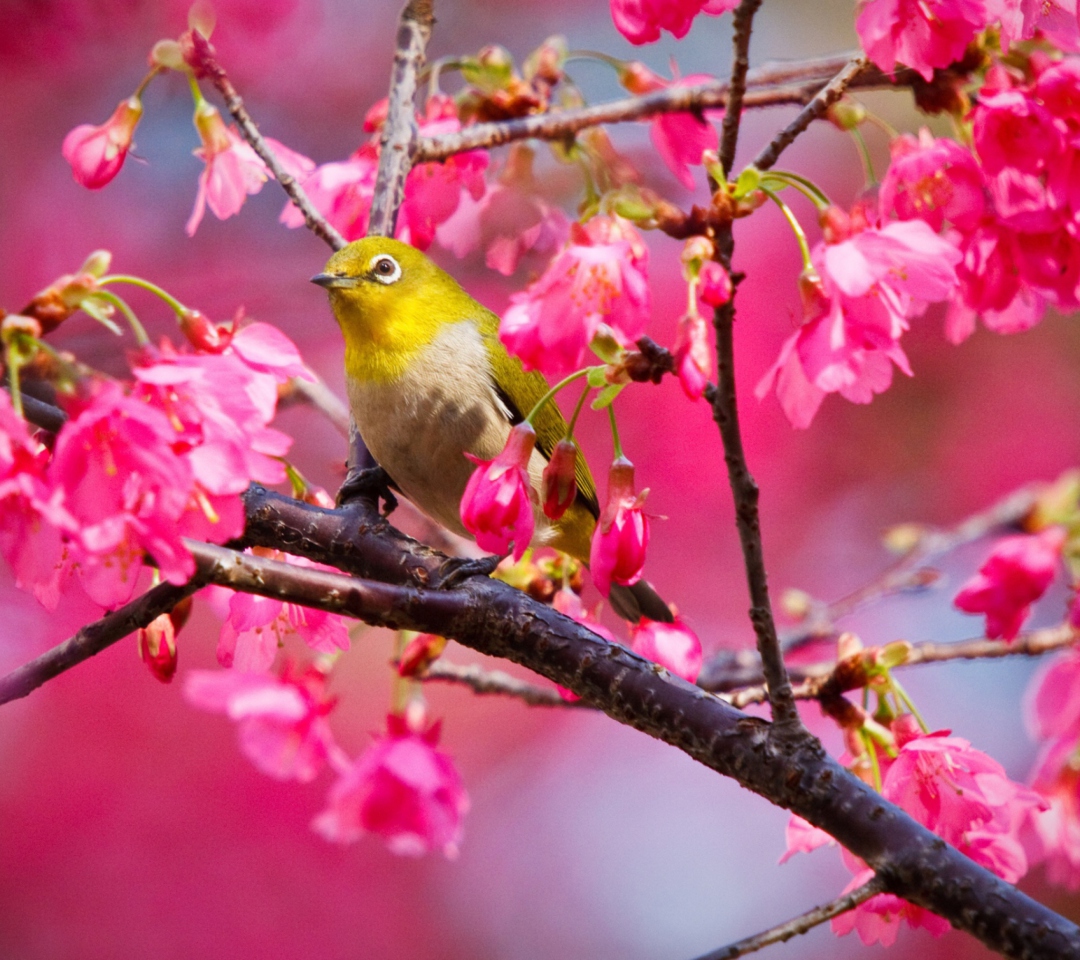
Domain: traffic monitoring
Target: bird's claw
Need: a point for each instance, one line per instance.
(457, 570)
(371, 483)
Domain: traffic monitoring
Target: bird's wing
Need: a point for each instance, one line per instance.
(520, 391)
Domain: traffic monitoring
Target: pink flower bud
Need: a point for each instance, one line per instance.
(560, 479)
(693, 359)
(672, 645)
(639, 79)
(715, 284)
(96, 154)
(622, 533)
(497, 507)
(421, 652)
(205, 335)
(157, 647)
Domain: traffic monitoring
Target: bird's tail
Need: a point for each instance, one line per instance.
(633, 602)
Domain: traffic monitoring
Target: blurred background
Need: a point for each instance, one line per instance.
(131, 826)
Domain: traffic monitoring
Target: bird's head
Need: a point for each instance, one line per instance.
(390, 300)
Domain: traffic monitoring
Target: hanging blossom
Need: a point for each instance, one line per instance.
(679, 138)
(342, 191)
(255, 627)
(1014, 576)
(621, 536)
(955, 791)
(281, 720)
(497, 506)
(868, 282)
(402, 789)
(641, 21)
(672, 645)
(600, 276)
(96, 154)
(233, 169)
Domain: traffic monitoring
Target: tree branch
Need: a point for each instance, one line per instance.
(800, 924)
(768, 86)
(398, 142)
(486, 682)
(203, 60)
(825, 98)
(742, 25)
(95, 637)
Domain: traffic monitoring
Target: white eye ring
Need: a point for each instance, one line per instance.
(385, 269)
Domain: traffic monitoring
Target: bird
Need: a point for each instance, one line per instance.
(429, 381)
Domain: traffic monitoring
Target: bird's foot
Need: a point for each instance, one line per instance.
(457, 570)
(371, 483)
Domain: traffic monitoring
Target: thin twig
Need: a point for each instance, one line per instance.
(800, 924)
(825, 98)
(771, 85)
(95, 637)
(204, 60)
(742, 26)
(400, 131)
(496, 682)
(814, 678)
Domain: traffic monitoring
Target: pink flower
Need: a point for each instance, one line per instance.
(599, 277)
(933, 180)
(126, 489)
(497, 507)
(869, 285)
(714, 284)
(256, 626)
(923, 34)
(679, 138)
(96, 154)
(1014, 576)
(157, 647)
(281, 721)
(878, 919)
(803, 837)
(641, 21)
(1057, 20)
(341, 192)
(693, 358)
(265, 349)
(672, 645)
(1053, 701)
(401, 789)
(559, 485)
(233, 169)
(622, 532)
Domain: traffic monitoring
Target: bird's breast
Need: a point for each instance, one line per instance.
(420, 425)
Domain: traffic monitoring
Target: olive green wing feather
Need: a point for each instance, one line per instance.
(520, 390)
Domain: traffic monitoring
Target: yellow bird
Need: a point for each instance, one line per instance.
(429, 381)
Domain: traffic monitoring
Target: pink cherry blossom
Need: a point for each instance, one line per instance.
(341, 192)
(402, 789)
(1014, 576)
(922, 34)
(933, 180)
(281, 721)
(803, 837)
(641, 21)
(878, 919)
(157, 647)
(693, 356)
(126, 489)
(1057, 20)
(714, 284)
(497, 506)
(256, 626)
(621, 536)
(672, 645)
(866, 288)
(96, 154)
(599, 277)
(233, 169)
(1053, 701)
(559, 485)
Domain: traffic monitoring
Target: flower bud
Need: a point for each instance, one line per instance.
(157, 647)
(546, 62)
(715, 287)
(422, 651)
(96, 154)
(211, 128)
(846, 114)
(815, 301)
(622, 533)
(560, 479)
(638, 79)
(205, 335)
(696, 251)
(167, 55)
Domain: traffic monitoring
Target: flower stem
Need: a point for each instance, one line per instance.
(864, 154)
(902, 694)
(178, 308)
(13, 365)
(145, 82)
(545, 399)
(804, 185)
(796, 227)
(141, 337)
(577, 412)
(614, 432)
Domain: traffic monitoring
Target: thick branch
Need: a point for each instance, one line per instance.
(204, 61)
(95, 637)
(772, 85)
(398, 141)
(825, 98)
(742, 25)
(800, 924)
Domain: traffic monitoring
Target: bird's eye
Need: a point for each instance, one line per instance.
(385, 269)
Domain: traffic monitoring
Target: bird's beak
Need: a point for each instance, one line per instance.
(330, 281)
